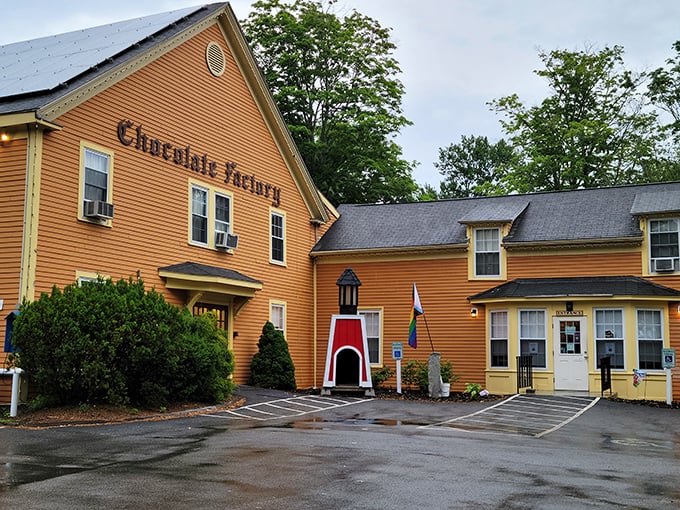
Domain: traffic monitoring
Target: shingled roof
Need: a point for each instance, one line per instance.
(586, 215)
(597, 286)
(198, 269)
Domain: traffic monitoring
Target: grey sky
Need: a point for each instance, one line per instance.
(456, 55)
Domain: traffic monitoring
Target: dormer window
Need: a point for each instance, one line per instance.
(664, 245)
(487, 252)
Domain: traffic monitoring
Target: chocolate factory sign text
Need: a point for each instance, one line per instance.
(134, 136)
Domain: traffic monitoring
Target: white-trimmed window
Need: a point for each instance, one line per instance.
(277, 315)
(487, 252)
(210, 213)
(277, 242)
(373, 336)
(498, 334)
(222, 212)
(96, 184)
(664, 245)
(609, 337)
(650, 339)
(199, 215)
(532, 336)
(96, 175)
(89, 276)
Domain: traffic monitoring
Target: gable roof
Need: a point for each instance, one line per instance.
(596, 286)
(43, 78)
(595, 215)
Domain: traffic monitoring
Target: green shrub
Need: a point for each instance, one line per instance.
(115, 343)
(473, 390)
(380, 375)
(416, 373)
(272, 366)
(446, 371)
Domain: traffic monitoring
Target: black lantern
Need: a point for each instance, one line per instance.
(348, 296)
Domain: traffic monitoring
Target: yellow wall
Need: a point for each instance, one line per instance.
(504, 381)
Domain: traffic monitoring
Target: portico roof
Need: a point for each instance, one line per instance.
(201, 280)
(590, 286)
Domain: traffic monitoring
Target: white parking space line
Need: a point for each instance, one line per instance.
(595, 401)
(522, 414)
(285, 408)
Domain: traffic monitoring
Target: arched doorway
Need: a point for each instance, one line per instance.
(347, 368)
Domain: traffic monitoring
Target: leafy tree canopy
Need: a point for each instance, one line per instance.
(335, 82)
(473, 167)
(595, 129)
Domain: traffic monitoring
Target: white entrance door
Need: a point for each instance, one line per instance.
(571, 354)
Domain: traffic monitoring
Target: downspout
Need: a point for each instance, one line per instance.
(314, 308)
(29, 242)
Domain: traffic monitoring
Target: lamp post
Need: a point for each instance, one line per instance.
(348, 292)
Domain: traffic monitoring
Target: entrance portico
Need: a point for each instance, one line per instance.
(567, 325)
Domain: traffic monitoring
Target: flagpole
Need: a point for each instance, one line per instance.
(428, 331)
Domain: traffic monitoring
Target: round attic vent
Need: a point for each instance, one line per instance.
(214, 57)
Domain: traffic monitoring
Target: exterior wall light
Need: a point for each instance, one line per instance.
(474, 312)
(4, 137)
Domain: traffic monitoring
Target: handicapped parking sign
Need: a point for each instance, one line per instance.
(397, 350)
(668, 358)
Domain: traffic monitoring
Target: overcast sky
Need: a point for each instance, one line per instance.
(455, 55)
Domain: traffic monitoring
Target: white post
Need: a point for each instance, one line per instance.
(14, 404)
(669, 387)
(399, 376)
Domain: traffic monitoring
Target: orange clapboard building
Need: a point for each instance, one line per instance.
(565, 278)
(159, 155)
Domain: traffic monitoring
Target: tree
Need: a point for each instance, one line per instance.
(334, 81)
(664, 89)
(272, 366)
(594, 130)
(664, 92)
(474, 167)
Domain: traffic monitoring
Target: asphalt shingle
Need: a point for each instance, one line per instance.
(578, 215)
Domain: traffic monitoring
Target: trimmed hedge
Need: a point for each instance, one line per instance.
(115, 343)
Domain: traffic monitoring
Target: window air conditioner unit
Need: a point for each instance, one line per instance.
(225, 240)
(232, 241)
(664, 265)
(97, 209)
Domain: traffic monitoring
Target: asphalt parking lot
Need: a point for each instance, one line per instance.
(526, 414)
(533, 415)
(294, 451)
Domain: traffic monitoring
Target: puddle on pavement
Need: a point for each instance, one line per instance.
(320, 423)
(16, 473)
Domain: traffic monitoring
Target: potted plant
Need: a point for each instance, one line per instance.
(447, 376)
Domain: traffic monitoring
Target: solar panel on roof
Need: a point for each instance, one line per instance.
(45, 63)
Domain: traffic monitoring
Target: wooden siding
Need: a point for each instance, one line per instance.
(443, 286)
(563, 265)
(178, 101)
(12, 189)
(443, 289)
